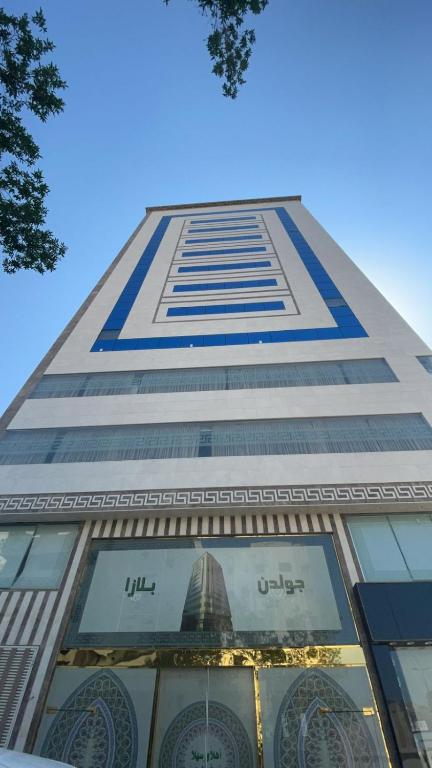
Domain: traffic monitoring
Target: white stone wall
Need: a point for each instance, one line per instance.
(389, 337)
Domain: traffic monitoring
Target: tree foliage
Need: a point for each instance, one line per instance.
(26, 85)
(229, 45)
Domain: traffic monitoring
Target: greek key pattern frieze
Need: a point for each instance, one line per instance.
(219, 497)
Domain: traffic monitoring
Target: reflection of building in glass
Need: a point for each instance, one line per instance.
(206, 606)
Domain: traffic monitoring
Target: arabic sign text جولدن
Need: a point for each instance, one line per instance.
(288, 585)
(138, 585)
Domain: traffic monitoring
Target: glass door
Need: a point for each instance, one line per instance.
(205, 718)
(414, 671)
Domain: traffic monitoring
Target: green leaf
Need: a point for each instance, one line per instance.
(229, 50)
(26, 84)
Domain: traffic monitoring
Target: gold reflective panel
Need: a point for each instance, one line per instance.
(310, 656)
(258, 714)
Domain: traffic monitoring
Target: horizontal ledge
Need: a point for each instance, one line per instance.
(248, 200)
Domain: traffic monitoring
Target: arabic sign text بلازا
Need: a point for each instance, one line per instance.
(138, 585)
(288, 585)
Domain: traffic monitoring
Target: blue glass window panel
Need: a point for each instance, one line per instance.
(223, 251)
(260, 337)
(216, 309)
(222, 239)
(217, 267)
(187, 288)
(339, 434)
(214, 340)
(353, 332)
(222, 221)
(223, 229)
(426, 361)
(335, 302)
(237, 338)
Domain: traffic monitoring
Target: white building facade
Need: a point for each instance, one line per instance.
(234, 385)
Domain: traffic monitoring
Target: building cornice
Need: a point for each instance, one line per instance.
(225, 203)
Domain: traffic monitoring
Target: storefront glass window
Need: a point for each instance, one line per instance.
(393, 547)
(98, 718)
(199, 716)
(319, 718)
(414, 672)
(35, 557)
(212, 652)
(414, 536)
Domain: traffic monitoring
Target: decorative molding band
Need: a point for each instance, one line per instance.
(264, 524)
(83, 504)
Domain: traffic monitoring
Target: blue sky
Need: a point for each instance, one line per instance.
(337, 107)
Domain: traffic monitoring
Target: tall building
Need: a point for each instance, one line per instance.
(234, 389)
(207, 606)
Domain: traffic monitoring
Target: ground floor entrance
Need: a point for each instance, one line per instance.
(287, 708)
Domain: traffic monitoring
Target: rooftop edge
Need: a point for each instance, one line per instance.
(152, 208)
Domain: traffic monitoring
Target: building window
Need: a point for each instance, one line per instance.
(326, 373)
(335, 434)
(426, 361)
(393, 547)
(34, 556)
(414, 673)
(344, 434)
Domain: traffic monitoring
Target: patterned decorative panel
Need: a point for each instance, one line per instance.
(41, 625)
(98, 718)
(303, 732)
(25, 616)
(16, 663)
(225, 730)
(80, 504)
(203, 525)
(320, 717)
